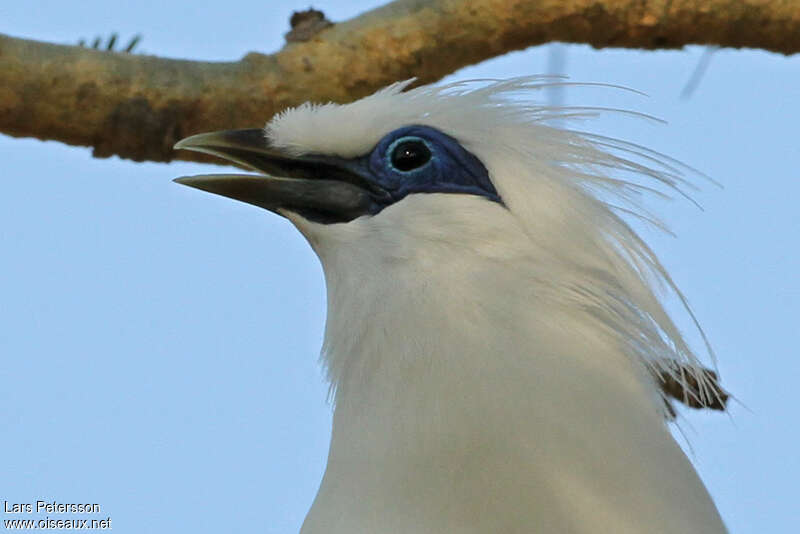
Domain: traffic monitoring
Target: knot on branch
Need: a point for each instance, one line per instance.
(306, 24)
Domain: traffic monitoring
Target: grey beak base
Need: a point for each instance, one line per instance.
(316, 189)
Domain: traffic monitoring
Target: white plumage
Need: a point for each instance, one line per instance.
(494, 366)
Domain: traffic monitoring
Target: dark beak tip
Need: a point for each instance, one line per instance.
(202, 182)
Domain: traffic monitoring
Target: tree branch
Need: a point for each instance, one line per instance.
(138, 106)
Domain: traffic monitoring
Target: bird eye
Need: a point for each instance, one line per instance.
(409, 155)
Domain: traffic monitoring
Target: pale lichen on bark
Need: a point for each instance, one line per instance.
(137, 106)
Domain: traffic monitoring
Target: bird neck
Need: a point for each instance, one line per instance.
(468, 400)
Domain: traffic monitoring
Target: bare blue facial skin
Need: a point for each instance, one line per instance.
(412, 160)
(421, 159)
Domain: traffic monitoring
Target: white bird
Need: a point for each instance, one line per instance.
(498, 356)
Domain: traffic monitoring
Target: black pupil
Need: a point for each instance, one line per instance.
(410, 155)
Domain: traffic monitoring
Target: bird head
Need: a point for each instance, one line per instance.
(438, 176)
(461, 164)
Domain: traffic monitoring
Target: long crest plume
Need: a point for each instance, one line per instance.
(612, 275)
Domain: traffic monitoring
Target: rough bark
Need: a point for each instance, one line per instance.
(137, 106)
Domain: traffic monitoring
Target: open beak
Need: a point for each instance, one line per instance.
(320, 188)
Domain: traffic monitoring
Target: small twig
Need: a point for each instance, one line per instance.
(112, 41)
(699, 72)
(132, 44)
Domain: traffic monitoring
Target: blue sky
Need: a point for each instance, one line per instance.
(158, 346)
